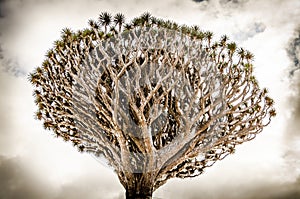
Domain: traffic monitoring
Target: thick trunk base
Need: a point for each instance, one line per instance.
(130, 195)
(140, 186)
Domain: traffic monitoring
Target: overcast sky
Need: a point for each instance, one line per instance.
(36, 165)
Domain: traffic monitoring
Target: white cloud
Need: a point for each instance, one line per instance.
(249, 31)
(293, 50)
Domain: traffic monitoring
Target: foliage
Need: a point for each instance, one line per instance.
(157, 99)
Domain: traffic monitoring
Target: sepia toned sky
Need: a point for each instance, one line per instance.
(36, 165)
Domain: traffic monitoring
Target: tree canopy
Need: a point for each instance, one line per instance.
(156, 99)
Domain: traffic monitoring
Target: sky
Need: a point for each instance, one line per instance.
(36, 165)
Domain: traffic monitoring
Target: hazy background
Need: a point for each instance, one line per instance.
(36, 165)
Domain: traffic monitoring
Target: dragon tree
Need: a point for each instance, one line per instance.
(156, 99)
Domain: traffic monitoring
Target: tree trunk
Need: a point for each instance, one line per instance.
(139, 187)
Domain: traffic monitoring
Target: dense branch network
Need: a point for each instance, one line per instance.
(152, 97)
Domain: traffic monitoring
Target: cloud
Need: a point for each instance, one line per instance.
(249, 31)
(292, 132)
(242, 190)
(10, 65)
(294, 105)
(1, 53)
(19, 181)
(16, 182)
(278, 191)
(293, 101)
(234, 1)
(2, 9)
(199, 1)
(224, 1)
(293, 51)
(291, 138)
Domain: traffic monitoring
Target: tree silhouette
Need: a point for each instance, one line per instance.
(156, 99)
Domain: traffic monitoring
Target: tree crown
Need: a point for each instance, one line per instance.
(151, 96)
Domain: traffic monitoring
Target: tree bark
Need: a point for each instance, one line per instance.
(140, 187)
